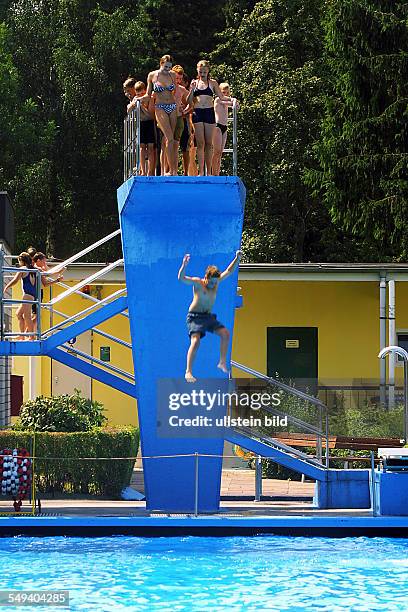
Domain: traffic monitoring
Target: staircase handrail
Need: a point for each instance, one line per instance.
(292, 390)
(85, 281)
(59, 267)
(322, 432)
(281, 446)
(70, 319)
(93, 359)
(93, 329)
(86, 296)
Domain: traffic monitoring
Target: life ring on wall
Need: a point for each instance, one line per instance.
(241, 453)
(15, 474)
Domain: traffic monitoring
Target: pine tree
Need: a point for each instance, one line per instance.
(363, 148)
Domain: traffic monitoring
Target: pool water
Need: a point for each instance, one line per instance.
(204, 574)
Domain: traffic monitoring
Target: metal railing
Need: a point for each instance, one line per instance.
(41, 334)
(234, 149)
(10, 302)
(321, 431)
(131, 141)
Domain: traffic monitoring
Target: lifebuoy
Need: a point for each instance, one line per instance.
(15, 474)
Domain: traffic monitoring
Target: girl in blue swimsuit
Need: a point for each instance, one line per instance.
(162, 83)
(28, 281)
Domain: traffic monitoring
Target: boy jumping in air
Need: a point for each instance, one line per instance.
(200, 319)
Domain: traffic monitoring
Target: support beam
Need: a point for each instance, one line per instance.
(392, 341)
(383, 338)
(280, 457)
(76, 363)
(91, 320)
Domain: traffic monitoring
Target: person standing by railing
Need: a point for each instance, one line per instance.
(181, 95)
(187, 142)
(134, 91)
(202, 92)
(29, 287)
(40, 262)
(162, 83)
(220, 133)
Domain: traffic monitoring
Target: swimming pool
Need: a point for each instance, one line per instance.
(203, 574)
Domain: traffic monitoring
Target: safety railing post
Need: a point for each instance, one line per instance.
(258, 478)
(373, 491)
(137, 136)
(131, 142)
(234, 139)
(38, 302)
(327, 438)
(1, 289)
(319, 449)
(196, 458)
(125, 150)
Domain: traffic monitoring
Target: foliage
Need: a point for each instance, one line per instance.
(70, 60)
(61, 413)
(322, 125)
(58, 470)
(370, 421)
(362, 150)
(272, 58)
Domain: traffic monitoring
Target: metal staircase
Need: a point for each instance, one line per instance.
(54, 340)
(264, 443)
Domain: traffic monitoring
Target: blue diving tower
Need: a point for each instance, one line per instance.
(163, 218)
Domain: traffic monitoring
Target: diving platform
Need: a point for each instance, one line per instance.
(162, 219)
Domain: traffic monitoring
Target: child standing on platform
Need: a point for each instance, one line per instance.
(134, 90)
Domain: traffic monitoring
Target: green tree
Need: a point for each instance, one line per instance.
(362, 151)
(273, 60)
(71, 58)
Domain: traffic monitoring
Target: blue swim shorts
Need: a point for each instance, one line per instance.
(202, 322)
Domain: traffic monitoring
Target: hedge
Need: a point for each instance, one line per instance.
(58, 470)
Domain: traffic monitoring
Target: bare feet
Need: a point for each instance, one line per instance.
(223, 366)
(189, 377)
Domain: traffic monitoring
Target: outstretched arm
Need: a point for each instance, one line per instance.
(47, 280)
(228, 271)
(149, 89)
(228, 103)
(13, 281)
(187, 280)
(219, 93)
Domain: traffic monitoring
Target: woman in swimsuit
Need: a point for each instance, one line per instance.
(202, 91)
(28, 281)
(162, 83)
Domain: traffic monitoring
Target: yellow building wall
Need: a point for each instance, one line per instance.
(345, 313)
(120, 408)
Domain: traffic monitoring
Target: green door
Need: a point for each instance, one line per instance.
(292, 355)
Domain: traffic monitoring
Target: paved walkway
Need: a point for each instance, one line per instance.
(241, 483)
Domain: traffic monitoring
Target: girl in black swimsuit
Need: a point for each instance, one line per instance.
(202, 92)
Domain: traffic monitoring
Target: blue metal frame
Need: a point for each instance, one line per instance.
(293, 463)
(91, 320)
(92, 371)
